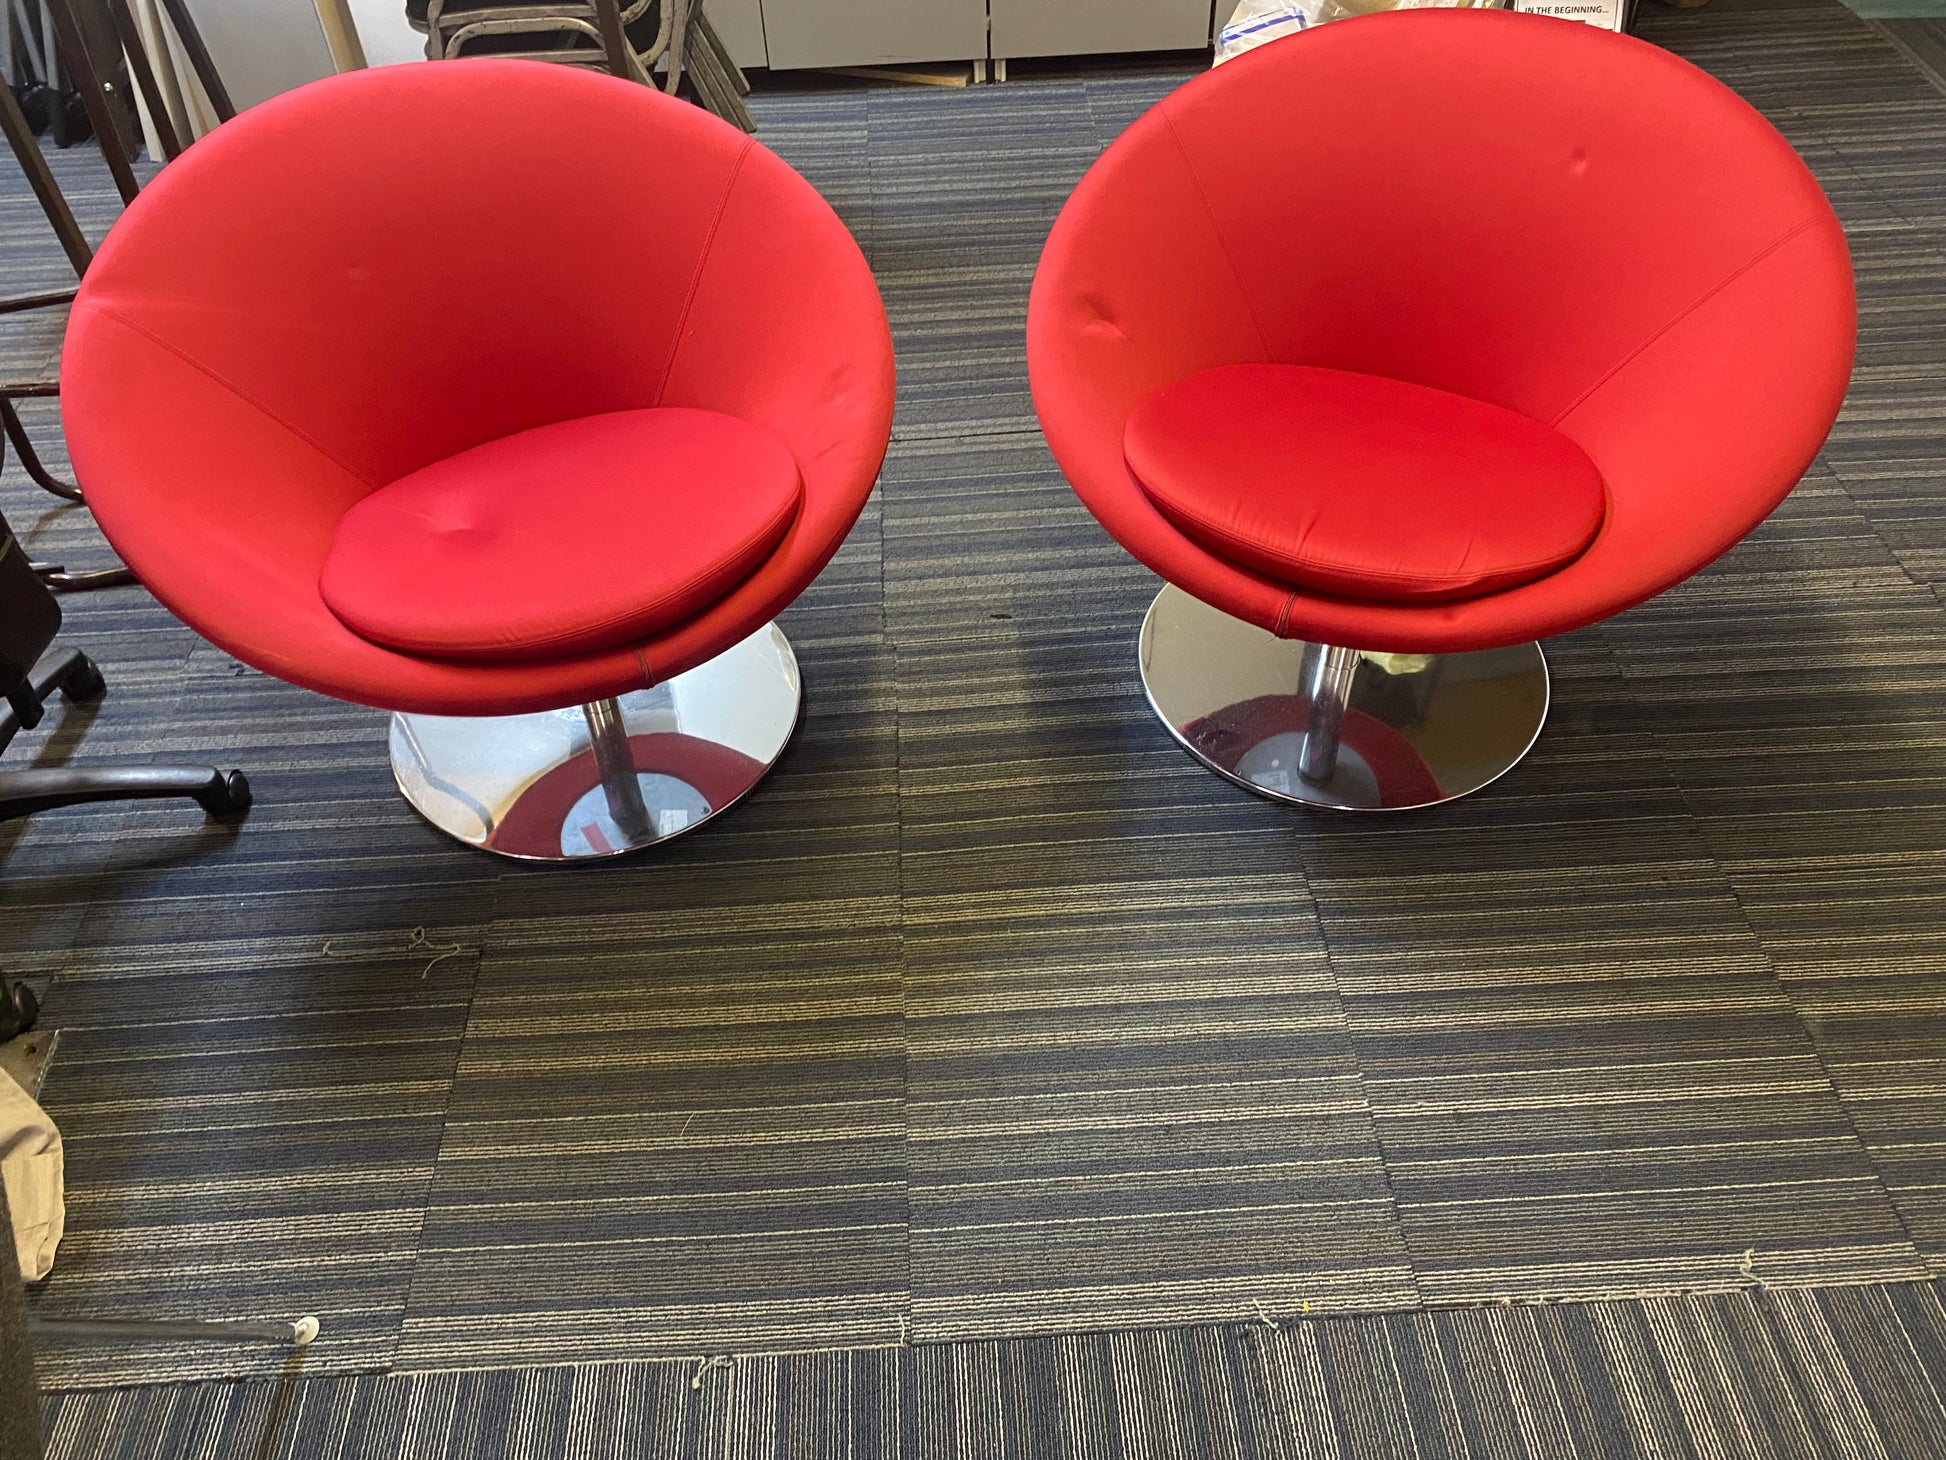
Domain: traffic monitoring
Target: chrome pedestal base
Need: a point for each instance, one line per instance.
(1321, 726)
(611, 777)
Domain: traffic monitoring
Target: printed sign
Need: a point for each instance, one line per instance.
(1608, 14)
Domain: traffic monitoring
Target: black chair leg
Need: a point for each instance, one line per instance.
(18, 1009)
(30, 459)
(22, 793)
(65, 671)
(219, 793)
(57, 577)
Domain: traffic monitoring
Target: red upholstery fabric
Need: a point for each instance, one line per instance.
(1529, 212)
(388, 268)
(1361, 486)
(565, 539)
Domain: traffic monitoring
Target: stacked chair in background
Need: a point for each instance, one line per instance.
(101, 66)
(630, 40)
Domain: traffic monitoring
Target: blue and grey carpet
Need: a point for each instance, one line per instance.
(996, 1081)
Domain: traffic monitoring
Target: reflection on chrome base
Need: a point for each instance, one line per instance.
(1323, 726)
(610, 777)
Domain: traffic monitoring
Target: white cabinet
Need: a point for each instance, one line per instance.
(1088, 27)
(263, 47)
(799, 33)
(741, 25)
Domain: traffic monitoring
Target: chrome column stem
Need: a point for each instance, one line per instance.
(1329, 693)
(615, 762)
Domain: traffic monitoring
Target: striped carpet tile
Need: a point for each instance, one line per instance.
(1923, 39)
(963, 195)
(1788, 55)
(1131, 1096)
(1893, 142)
(1739, 1374)
(1876, 1009)
(992, 1014)
(1891, 444)
(529, 1414)
(57, 867)
(983, 531)
(845, 1406)
(1765, 1374)
(1851, 1372)
(1152, 1394)
(824, 132)
(1801, 712)
(256, 1058)
(193, 1421)
(250, 1119)
(351, 1418)
(1118, 95)
(1804, 730)
(678, 1120)
(1585, 1076)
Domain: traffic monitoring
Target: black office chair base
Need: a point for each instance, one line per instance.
(81, 580)
(222, 794)
(18, 1010)
(71, 673)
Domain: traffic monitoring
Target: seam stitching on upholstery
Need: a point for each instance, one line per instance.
(702, 266)
(1237, 539)
(773, 528)
(1702, 299)
(242, 395)
(1223, 242)
(648, 675)
(768, 529)
(1284, 615)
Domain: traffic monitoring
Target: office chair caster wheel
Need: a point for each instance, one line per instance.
(227, 794)
(18, 1010)
(68, 119)
(84, 683)
(36, 105)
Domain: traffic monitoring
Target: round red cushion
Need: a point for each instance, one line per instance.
(1361, 486)
(567, 538)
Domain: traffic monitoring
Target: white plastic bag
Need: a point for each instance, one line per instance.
(1257, 22)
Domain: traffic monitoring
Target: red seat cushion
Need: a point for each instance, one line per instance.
(565, 539)
(1360, 486)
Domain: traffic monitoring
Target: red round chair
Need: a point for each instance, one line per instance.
(1404, 342)
(510, 398)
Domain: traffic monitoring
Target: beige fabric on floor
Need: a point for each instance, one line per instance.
(30, 1163)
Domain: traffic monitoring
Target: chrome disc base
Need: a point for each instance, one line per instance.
(531, 787)
(1438, 728)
